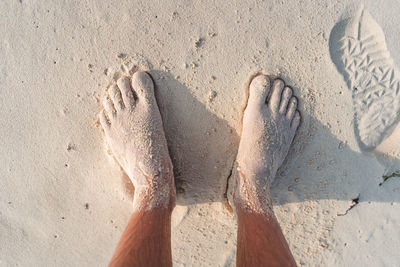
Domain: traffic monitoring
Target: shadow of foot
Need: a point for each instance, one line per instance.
(196, 138)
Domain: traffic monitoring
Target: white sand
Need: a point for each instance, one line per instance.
(63, 201)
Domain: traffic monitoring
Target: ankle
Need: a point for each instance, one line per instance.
(252, 193)
(146, 199)
(157, 194)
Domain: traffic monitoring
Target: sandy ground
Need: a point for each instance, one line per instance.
(63, 201)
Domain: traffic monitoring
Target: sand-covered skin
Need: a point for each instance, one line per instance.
(61, 192)
(134, 131)
(270, 122)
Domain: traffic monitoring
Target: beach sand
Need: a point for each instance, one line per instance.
(63, 199)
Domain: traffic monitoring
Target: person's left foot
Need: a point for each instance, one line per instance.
(133, 127)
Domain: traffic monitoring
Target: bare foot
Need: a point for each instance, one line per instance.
(270, 122)
(133, 127)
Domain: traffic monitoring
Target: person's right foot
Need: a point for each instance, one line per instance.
(269, 125)
(133, 128)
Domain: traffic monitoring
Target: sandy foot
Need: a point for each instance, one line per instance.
(133, 127)
(269, 124)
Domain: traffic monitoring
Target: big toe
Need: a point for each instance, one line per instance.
(143, 86)
(259, 89)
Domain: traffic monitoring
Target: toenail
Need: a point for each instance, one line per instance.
(279, 83)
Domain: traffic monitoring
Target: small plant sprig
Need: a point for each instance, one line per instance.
(387, 177)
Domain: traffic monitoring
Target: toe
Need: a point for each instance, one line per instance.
(286, 95)
(291, 108)
(115, 95)
(296, 120)
(126, 91)
(259, 89)
(143, 86)
(275, 99)
(103, 120)
(109, 108)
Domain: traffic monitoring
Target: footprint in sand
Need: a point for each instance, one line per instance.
(358, 49)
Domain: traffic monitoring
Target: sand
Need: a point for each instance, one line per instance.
(63, 199)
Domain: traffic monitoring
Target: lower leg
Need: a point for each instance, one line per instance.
(146, 240)
(270, 122)
(260, 241)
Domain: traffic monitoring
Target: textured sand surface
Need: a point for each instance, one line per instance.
(63, 200)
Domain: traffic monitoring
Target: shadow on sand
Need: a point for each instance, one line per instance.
(319, 165)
